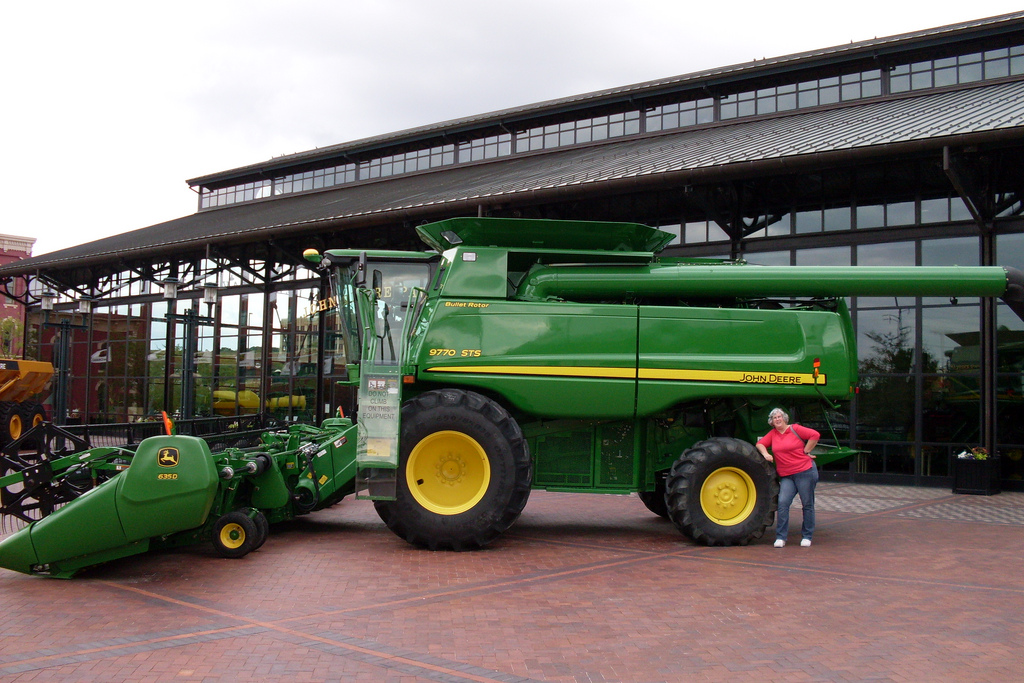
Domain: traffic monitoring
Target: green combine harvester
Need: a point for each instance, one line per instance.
(516, 354)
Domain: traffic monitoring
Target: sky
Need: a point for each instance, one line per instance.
(109, 107)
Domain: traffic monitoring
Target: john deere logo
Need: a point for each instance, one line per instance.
(167, 457)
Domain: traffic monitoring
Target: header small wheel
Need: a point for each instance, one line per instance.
(262, 529)
(235, 535)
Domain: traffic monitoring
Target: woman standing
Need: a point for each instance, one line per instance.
(791, 446)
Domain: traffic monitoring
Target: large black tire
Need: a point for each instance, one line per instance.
(464, 472)
(12, 423)
(655, 500)
(235, 535)
(383, 509)
(722, 492)
(262, 529)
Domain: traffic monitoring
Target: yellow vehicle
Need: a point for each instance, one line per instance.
(22, 385)
(248, 402)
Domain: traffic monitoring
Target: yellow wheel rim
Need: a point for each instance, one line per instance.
(232, 535)
(448, 472)
(37, 420)
(14, 426)
(728, 496)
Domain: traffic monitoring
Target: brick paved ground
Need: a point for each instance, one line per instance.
(902, 584)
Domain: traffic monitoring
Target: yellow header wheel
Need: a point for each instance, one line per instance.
(448, 472)
(728, 496)
(232, 536)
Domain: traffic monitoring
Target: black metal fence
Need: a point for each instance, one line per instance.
(219, 432)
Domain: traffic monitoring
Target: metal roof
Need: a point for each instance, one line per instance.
(878, 130)
(869, 48)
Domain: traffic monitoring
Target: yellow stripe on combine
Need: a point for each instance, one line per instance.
(738, 376)
(731, 376)
(549, 370)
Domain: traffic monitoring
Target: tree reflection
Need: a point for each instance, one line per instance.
(887, 395)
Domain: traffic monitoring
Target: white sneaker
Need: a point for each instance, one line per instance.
(806, 543)
(779, 543)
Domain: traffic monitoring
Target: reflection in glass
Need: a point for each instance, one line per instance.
(889, 254)
(870, 216)
(900, 213)
(768, 258)
(825, 256)
(254, 310)
(952, 251)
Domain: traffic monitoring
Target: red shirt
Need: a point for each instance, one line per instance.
(788, 448)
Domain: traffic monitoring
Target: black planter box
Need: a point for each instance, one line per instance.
(978, 477)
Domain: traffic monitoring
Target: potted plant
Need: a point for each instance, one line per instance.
(975, 472)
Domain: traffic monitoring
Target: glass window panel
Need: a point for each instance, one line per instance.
(229, 309)
(888, 254)
(950, 335)
(870, 216)
(970, 73)
(885, 338)
(783, 226)
(886, 401)
(953, 251)
(1010, 249)
(695, 233)
(808, 98)
(824, 256)
(808, 221)
(901, 213)
(871, 302)
(945, 77)
(716, 233)
(828, 95)
(768, 258)
(837, 218)
(935, 210)
(254, 310)
(997, 69)
(958, 210)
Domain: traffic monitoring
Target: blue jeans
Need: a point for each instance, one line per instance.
(802, 483)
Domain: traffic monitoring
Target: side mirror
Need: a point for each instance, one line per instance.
(360, 276)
